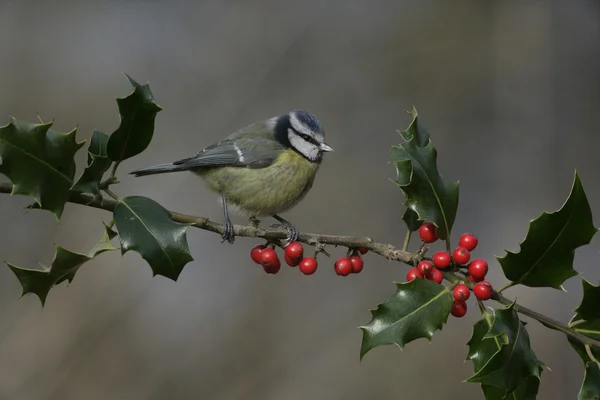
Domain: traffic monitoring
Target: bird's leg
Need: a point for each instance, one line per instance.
(292, 232)
(228, 226)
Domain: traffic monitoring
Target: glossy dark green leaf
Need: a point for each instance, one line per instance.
(481, 351)
(39, 162)
(411, 219)
(590, 387)
(546, 255)
(590, 329)
(589, 308)
(64, 267)
(427, 194)
(138, 111)
(98, 164)
(415, 130)
(508, 367)
(416, 310)
(528, 390)
(146, 227)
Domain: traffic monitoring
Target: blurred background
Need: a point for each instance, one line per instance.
(509, 91)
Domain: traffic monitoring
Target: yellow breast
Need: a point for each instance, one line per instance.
(265, 191)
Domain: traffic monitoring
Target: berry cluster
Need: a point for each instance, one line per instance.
(294, 257)
(353, 264)
(476, 270)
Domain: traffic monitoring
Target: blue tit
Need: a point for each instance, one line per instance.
(263, 169)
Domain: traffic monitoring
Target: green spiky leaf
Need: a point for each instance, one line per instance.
(138, 111)
(427, 194)
(589, 308)
(590, 329)
(590, 387)
(64, 267)
(528, 390)
(416, 310)
(98, 164)
(39, 162)
(508, 360)
(546, 255)
(146, 227)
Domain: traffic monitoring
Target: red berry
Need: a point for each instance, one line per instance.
(343, 266)
(427, 232)
(292, 262)
(268, 256)
(478, 269)
(468, 241)
(308, 265)
(357, 264)
(363, 250)
(441, 259)
(255, 253)
(294, 250)
(483, 290)
(412, 274)
(461, 255)
(436, 276)
(459, 308)
(270, 261)
(425, 267)
(461, 292)
(272, 268)
(470, 278)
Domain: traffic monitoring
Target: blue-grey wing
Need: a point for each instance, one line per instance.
(251, 147)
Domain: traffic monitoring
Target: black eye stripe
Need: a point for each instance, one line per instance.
(306, 137)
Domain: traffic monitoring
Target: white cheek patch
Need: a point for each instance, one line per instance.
(309, 150)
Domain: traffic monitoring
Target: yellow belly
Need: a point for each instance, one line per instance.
(264, 191)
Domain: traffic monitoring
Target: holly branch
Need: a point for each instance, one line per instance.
(40, 164)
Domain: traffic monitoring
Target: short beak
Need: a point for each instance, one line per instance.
(325, 147)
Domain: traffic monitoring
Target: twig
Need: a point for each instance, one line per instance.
(590, 354)
(508, 285)
(386, 250)
(407, 240)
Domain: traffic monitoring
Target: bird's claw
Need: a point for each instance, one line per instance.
(292, 233)
(228, 233)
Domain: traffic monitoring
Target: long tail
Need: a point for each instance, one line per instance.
(159, 169)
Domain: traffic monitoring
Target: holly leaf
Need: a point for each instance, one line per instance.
(411, 219)
(427, 194)
(528, 390)
(512, 360)
(481, 351)
(588, 309)
(64, 267)
(416, 310)
(39, 162)
(138, 111)
(546, 255)
(98, 164)
(147, 228)
(415, 131)
(590, 329)
(590, 387)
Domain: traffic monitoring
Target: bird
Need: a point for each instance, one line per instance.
(263, 169)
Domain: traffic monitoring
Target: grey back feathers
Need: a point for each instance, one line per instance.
(256, 146)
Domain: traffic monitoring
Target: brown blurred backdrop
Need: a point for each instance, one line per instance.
(509, 90)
